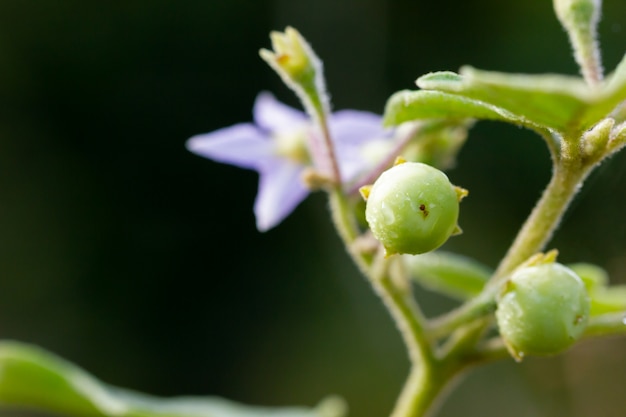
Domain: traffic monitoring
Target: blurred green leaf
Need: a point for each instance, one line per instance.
(604, 299)
(608, 300)
(448, 273)
(593, 276)
(407, 105)
(437, 142)
(32, 378)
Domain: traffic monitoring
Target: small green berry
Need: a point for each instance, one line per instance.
(412, 208)
(543, 310)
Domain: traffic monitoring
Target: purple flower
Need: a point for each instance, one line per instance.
(276, 147)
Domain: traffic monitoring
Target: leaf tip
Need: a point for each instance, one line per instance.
(435, 80)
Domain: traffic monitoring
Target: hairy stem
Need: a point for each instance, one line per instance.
(609, 324)
(545, 217)
(426, 380)
(587, 55)
(397, 298)
(327, 156)
(421, 393)
(474, 308)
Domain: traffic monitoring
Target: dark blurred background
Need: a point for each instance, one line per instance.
(123, 252)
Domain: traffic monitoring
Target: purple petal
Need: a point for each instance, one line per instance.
(274, 116)
(280, 191)
(355, 126)
(351, 131)
(242, 145)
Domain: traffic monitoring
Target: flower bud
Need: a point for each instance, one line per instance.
(292, 55)
(300, 69)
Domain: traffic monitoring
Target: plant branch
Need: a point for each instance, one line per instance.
(567, 178)
(427, 379)
(610, 324)
(474, 308)
(422, 392)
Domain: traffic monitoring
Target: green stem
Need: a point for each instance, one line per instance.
(397, 299)
(344, 222)
(426, 381)
(587, 55)
(545, 217)
(327, 155)
(474, 308)
(607, 325)
(407, 317)
(566, 179)
(488, 351)
(422, 390)
(580, 20)
(567, 176)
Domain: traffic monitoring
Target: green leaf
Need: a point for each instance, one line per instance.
(454, 275)
(31, 378)
(408, 105)
(436, 142)
(561, 103)
(604, 299)
(544, 100)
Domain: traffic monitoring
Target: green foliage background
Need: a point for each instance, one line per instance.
(139, 261)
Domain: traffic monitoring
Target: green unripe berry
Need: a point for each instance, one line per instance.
(543, 310)
(412, 208)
